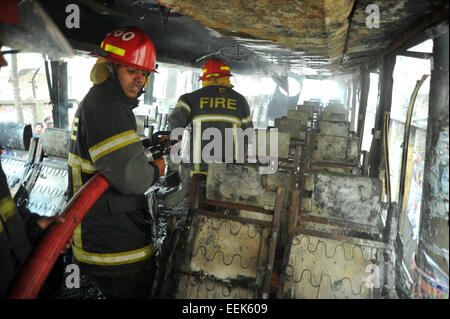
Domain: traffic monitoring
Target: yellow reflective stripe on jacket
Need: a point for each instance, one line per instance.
(79, 165)
(77, 236)
(246, 120)
(77, 182)
(85, 165)
(218, 118)
(183, 105)
(113, 143)
(193, 172)
(7, 208)
(113, 259)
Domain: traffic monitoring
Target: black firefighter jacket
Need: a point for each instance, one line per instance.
(18, 232)
(114, 237)
(213, 106)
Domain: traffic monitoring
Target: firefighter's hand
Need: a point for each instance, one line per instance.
(44, 222)
(161, 166)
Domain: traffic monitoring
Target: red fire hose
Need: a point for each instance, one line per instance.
(33, 274)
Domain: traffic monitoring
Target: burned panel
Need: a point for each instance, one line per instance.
(238, 184)
(49, 181)
(15, 165)
(47, 195)
(300, 115)
(346, 198)
(336, 108)
(228, 249)
(282, 144)
(334, 128)
(55, 142)
(225, 259)
(291, 126)
(310, 107)
(322, 268)
(336, 149)
(328, 116)
(15, 136)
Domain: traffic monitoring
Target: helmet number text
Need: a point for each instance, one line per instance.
(126, 36)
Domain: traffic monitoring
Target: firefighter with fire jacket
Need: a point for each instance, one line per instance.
(20, 229)
(113, 243)
(216, 105)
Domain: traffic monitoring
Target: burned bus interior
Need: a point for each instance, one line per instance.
(357, 91)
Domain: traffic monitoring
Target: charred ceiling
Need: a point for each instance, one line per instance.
(269, 36)
(325, 34)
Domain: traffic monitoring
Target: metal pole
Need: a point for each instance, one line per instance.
(365, 86)
(384, 105)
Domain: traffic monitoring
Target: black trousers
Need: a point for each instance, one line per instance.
(135, 286)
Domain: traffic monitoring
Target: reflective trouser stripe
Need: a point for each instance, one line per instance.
(112, 259)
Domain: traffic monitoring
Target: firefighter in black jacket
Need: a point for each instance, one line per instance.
(112, 244)
(215, 105)
(19, 228)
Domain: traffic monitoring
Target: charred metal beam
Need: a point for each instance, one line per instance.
(354, 240)
(274, 235)
(60, 94)
(385, 100)
(432, 254)
(365, 86)
(236, 206)
(352, 93)
(418, 55)
(240, 219)
(333, 222)
(431, 26)
(347, 35)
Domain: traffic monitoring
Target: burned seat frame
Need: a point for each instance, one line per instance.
(199, 274)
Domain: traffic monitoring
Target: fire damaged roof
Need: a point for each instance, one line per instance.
(300, 36)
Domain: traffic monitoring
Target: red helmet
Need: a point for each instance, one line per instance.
(129, 46)
(215, 68)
